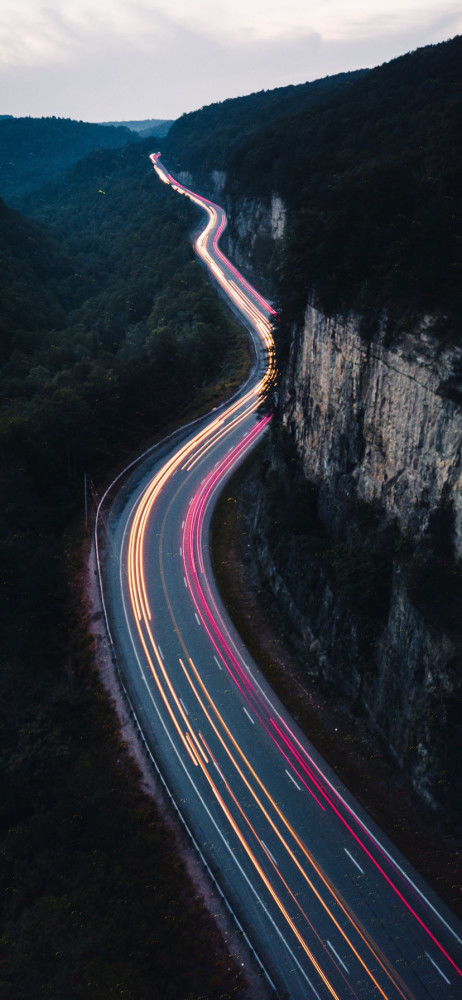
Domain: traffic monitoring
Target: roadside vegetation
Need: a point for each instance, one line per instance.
(368, 166)
(109, 330)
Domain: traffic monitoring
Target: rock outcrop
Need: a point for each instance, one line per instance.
(373, 421)
(358, 524)
(373, 582)
(254, 237)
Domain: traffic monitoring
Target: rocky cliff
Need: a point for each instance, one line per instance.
(358, 525)
(254, 237)
(255, 231)
(373, 421)
(374, 434)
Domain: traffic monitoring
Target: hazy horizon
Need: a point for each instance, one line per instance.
(134, 61)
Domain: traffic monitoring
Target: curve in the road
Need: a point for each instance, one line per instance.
(250, 767)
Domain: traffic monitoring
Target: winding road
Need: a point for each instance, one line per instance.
(328, 905)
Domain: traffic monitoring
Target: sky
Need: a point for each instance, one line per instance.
(100, 60)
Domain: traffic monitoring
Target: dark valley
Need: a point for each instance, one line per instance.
(344, 208)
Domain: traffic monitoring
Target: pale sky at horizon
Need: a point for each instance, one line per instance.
(120, 59)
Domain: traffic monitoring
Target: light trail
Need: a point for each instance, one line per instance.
(232, 424)
(246, 686)
(385, 965)
(196, 517)
(382, 961)
(266, 881)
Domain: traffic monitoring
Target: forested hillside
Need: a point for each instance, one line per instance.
(33, 150)
(355, 207)
(109, 329)
(34, 292)
(203, 140)
(369, 168)
(373, 183)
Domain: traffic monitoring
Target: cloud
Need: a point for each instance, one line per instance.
(121, 59)
(34, 34)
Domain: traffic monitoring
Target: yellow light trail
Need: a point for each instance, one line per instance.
(185, 458)
(279, 903)
(149, 497)
(381, 959)
(268, 855)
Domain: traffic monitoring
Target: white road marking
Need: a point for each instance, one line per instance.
(338, 956)
(217, 828)
(273, 859)
(353, 860)
(182, 524)
(181, 550)
(249, 715)
(218, 663)
(185, 581)
(292, 780)
(220, 772)
(161, 653)
(197, 617)
(184, 706)
(448, 981)
(361, 823)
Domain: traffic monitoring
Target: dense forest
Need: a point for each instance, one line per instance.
(34, 150)
(203, 140)
(369, 167)
(109, 329)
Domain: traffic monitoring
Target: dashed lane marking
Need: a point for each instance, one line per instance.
(266, 848)
(338, 957)
(292, 780)
(448, 981)
(353, 860)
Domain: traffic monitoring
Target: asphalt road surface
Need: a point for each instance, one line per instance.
(330, 907)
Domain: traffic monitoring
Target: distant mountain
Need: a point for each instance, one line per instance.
(35, 150)
(146, 127)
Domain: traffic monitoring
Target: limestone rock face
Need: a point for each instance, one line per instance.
(185, 177)
(218, 180)
(376, 429)
(278, 217)
(373, 419)
(254, 236)
(373, 424)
